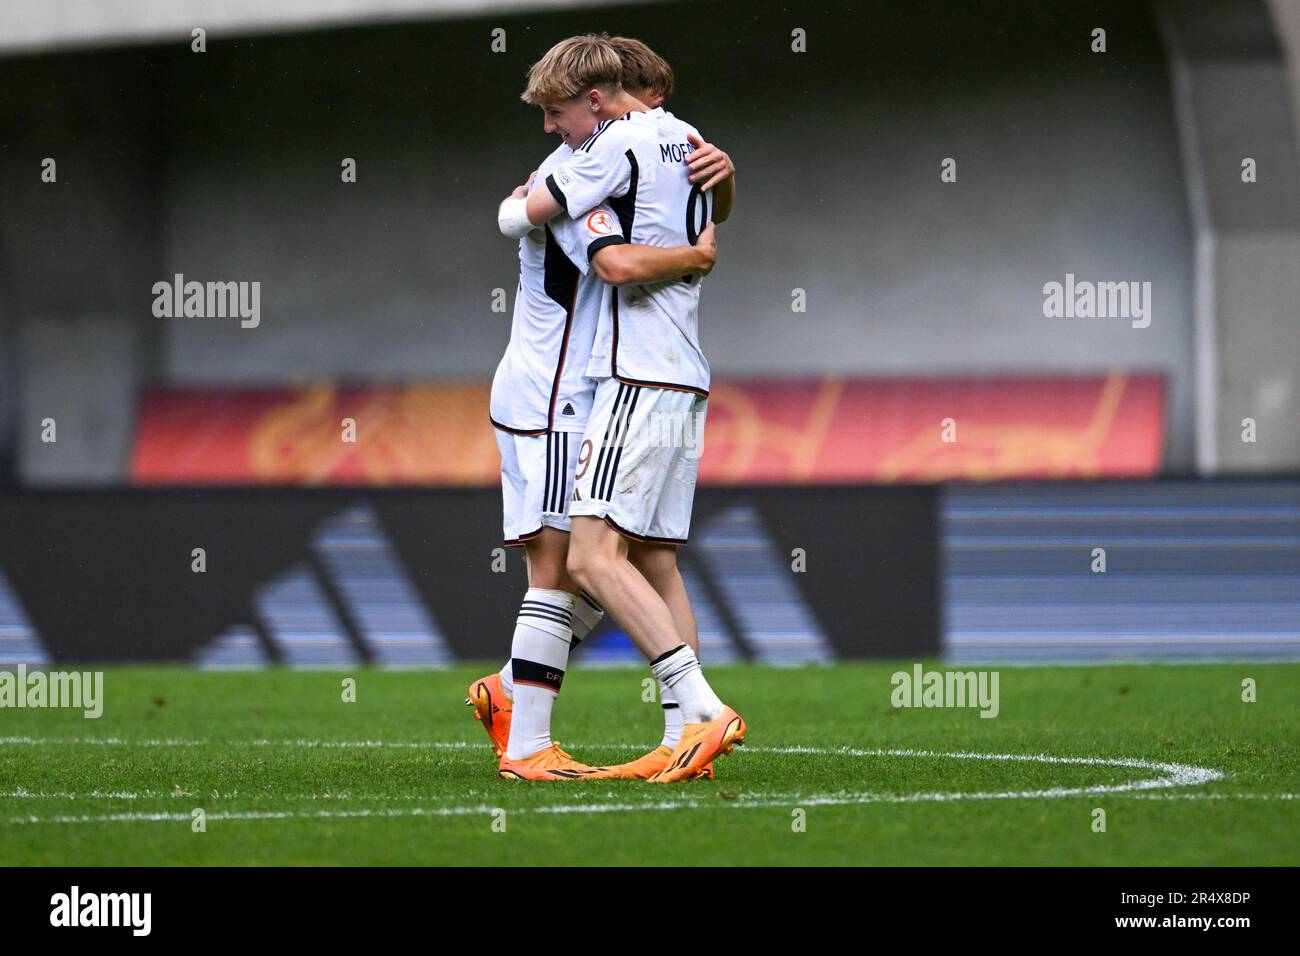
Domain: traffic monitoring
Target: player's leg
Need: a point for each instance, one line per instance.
(616, 500)
(539, 650)
(598, 560)
(587, 614)
(658, 564)
(491, 697)
(524, 491)
(515, 704)
(671, 522)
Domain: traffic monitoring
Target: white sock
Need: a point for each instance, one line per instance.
(539, 653)
(672, 716)
(587, 613)
(680, 670)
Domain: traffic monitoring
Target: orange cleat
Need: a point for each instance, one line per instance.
(492, 708)
(643, 768)
(700, 743)
(549, 763)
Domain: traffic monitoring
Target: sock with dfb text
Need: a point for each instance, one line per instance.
(587, 613)
(538, 655)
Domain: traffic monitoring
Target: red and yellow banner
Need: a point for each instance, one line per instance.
(808, 431)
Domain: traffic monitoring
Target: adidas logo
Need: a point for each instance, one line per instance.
(568, 409)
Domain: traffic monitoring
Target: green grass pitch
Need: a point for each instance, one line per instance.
(287, 773)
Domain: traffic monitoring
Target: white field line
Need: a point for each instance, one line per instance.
(779, 799)
(1174, 775)
(1215, 796)
(688, 804)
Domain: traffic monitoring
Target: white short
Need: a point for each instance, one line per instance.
(536, 482)
(639, 460)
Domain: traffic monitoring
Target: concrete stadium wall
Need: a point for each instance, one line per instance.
(1233, 95)
(225, 165)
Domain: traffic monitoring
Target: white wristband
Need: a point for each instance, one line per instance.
(512, 218)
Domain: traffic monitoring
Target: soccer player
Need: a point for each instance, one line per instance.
(648, 78)
(540, 403)
(632, 486)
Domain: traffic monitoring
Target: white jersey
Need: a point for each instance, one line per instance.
(541, 384)
(648, 334)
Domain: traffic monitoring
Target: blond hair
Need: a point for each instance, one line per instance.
(572, 67)
(644, 70)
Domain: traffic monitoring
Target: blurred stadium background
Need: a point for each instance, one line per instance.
(859, 303)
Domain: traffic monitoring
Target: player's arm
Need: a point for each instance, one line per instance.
(724, 197)
(543, 206)
(521, 212)
(713, 169)
(510, 213)
(621, 263)
(580, 184)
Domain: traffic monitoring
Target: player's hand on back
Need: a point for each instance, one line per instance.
(708, 164)
(707, 244)
(521, 192)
